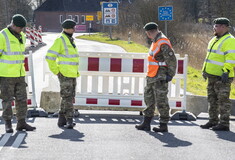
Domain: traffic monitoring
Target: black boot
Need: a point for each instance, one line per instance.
(8, 126)
(22, 125)
(220, 127)
(61, 120)
(145, 125)
(208, 125)
(70, 123)
(162, 128)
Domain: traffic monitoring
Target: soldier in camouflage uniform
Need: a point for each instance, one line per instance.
(12, 74)
(218, 68)
(63, 61)
(161, 70)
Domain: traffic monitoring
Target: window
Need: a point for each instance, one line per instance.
(83, 19)
(76, 19)
(61, 18)
(70, 17)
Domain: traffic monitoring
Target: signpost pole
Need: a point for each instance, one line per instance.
(89, 18)
(110, 32)
(166, 28)
(89, 28)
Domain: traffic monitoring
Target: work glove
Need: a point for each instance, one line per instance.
(224, 77)
(204, 75)
(168, 78)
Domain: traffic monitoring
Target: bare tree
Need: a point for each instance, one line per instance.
(11, 7)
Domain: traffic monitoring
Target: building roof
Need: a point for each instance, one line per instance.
(70, 5)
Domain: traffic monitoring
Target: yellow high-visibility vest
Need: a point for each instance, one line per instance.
(220, 56)
(63, 57)
(11, 55)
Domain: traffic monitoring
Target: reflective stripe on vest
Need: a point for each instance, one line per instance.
(230, 61)
(156, 50)
(67, 55)
(65, 46)
(13, 53)
(51, 58)
(219, 63)
(229, 51)
(153, 65)
(157, 63)
(9, 52)
(69, 63)
(61, 55)
(11, 62)
(7, 41)
(8, 47)
(214, 62)
(218, 52)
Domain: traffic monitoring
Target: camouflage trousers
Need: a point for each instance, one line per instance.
(13, 88)
(155, 93)
(67, 93)
(219, 102)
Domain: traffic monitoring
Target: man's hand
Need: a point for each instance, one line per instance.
(224, 77)
(204, 75)
(168, 78)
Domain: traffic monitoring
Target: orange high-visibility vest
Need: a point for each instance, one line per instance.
(155, 48)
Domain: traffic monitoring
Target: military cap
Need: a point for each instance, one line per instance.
(222, 20)
(150, 26)
(19, 20)
(68, 23)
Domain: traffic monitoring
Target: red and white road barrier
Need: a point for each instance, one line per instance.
(118, 80)
(34, 35)
(40, 34)
(27, 32)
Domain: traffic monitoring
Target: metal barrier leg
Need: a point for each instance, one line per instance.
(183, 115)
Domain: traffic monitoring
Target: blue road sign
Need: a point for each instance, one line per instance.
(165, 13)
(110, 13)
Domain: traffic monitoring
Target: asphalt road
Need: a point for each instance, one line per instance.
(111, 135)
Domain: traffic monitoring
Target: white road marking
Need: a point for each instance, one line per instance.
(19, 139)
(114, 119)
(92, 119)
(103, 119)
(4, 140)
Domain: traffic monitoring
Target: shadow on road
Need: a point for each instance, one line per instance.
(228, 136)
(69, 134)
(170, 140)
(9, 140)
